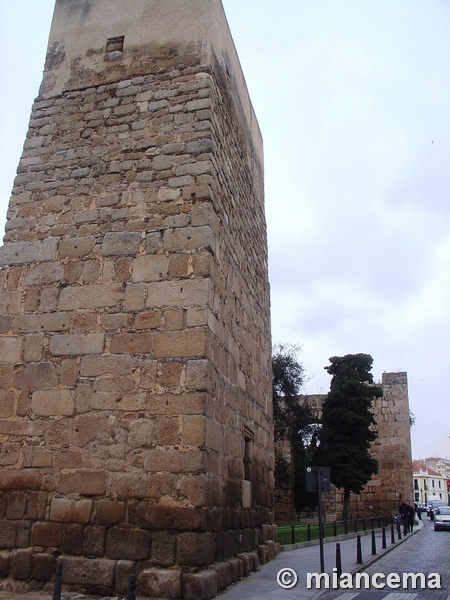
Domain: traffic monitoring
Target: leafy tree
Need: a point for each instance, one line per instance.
(348, 424)
(293, 421)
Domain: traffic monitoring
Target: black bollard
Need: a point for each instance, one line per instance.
(293, 534)
(358, 550)
(338, 560)
(392, 534)
(383, 543)
(399, 531)
(374, 545)
(58, 582)
(131, 594)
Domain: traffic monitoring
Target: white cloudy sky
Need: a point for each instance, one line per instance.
(353, 100)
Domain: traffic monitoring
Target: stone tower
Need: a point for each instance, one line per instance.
(392, 450)
(135, 349)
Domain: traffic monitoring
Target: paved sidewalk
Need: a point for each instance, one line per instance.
(262, 585)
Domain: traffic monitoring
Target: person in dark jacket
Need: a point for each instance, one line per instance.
(410, 516)
(404, 512)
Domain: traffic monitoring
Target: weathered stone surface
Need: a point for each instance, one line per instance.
(109, 513)
(43, 566)
(37, 323)
(71, 344)
(90, 482)
(150, 268)
(88, 571)
(21, 563)
(128, 544)
(52, 403)
(36, 376)
(196, 549)
(123, 243)
(66, 510)
(10, 350)
(90, 296)
(4, 564)
(200, 586)
(159, 583)
(28, 252)
(76, 247)
(23, 479)
(47, 534)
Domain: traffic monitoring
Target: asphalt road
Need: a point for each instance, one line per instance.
(426, 552)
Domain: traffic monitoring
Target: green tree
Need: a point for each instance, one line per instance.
(293, 421)
(348, 424)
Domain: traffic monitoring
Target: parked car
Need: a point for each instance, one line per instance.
(433, 505)
(442, 517)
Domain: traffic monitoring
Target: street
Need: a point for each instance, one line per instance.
(426, 552)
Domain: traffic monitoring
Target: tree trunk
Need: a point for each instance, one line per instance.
(346, 509)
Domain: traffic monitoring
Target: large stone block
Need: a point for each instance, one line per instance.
(7, 400)
(66, 510)
(47, 534)
(20, 479)
(153, 267)
(52, 403)
(76, 247)
(10, 349)
(160, 583)
(28, 252)
(4, 564)
(94, 541)
(43, 566)
(196, 549)
(109, 513)
(82, 481)
(163, 548)
(73, 344)
(128, 544)
(123, 243)
(175, 294)
(38, 323)
(44, 274)
(84, 571)
(90, 296)
(37, 376)
(181, 344)
(21, 563)
(200, 586)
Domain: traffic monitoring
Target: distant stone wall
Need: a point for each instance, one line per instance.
(392, 450)
(135, 370)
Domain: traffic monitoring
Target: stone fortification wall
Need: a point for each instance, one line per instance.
(135, 413)
(392, 450)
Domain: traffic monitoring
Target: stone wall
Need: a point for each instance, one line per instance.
(135, 323)
(392, 450)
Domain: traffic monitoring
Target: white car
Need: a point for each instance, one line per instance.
(442, 518)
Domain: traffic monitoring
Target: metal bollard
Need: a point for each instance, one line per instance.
(399, 531)
(392, 534)
(308, 533)
(293, 534)
(334, 529)
(358, 550)
(374, 544)
(58, 582)
(338, 560)
(131, 593)
(383, 543)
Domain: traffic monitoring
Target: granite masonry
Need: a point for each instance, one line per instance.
(392, 449)
(135, 348)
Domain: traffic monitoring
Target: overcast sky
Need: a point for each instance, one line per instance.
(353, 101)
